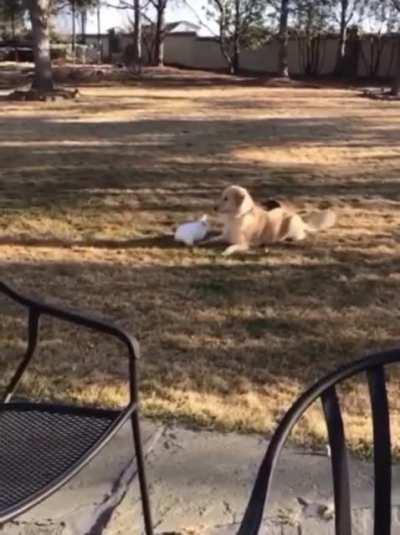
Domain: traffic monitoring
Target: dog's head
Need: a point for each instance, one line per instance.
(235, 201)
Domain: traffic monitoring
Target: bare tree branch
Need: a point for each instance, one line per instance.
(396, 4)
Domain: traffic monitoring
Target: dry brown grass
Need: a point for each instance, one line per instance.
(87, 189)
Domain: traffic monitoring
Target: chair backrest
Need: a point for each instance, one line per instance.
(36, 309)
(325, 389)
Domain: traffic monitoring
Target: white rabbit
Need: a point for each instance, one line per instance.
(193, 231)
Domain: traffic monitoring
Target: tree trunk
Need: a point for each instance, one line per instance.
(137, 46)
(83, 25)
(340, 66)
(235, 60)
(14, 34)
(341, 53)
(73, 11)
(283, 55)
(39, 11)
(159, 38)
(224, 47)
(223, 44)
(99, 40)
(395, 91)
(236, 40)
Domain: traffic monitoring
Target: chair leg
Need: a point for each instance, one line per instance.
(142, 474)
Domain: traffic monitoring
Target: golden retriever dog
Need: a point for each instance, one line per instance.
(247, 224)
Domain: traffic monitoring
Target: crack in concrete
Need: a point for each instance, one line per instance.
(17, 527)
(39, 524)
(229, 511)
(162, 516)
(112, 500)
(104, 511)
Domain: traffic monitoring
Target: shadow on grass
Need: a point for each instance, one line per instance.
(185, 162)
(250, 332)
(275, 317)
(163, 242)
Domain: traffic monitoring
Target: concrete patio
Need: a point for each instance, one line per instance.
(199, 483)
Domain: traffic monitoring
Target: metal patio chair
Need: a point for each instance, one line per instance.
(324, 389)
(43, 445)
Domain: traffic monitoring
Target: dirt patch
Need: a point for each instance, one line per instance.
(380, 94)
(42, 96)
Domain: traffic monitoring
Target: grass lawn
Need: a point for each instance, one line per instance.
(89, 189)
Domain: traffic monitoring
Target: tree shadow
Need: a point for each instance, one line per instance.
(182, 157)
(163, 242)
(268, 314)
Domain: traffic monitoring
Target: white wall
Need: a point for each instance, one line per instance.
(179, 49)
(264, 59)
(186, 49)
(388, 58)
(207, 54)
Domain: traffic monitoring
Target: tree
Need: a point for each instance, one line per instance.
(39, 12)
(396, 81)
(344, 13)
(283, 36)
(310, 19)
(79, 10)
(158, 30)
(12, 13)
(153, 12)
(311, 16)
(83, 16)
(73, 19)
(135, 10)
(99, 41)
(137, 35)
(241, 24)
(387, 13)
(160, 6)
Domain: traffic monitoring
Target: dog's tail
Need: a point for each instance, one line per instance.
(322, 220)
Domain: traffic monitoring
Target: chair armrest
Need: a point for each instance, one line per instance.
(39, 308)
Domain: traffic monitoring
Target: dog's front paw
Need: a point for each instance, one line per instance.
(235, 249)
(228, 251)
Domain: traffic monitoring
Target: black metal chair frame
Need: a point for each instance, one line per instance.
(36, 309)
(325, 389)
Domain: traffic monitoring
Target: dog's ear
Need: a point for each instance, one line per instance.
(238, 197)
(271, 204)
